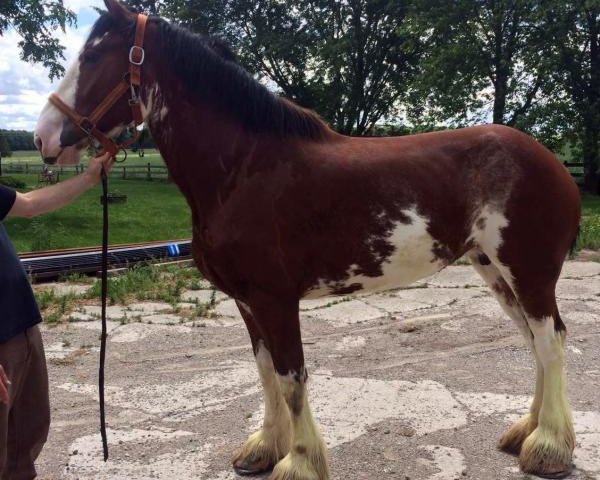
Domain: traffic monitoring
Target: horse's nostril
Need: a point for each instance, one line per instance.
(38, 142)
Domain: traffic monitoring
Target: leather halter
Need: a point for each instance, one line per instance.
(131, 81)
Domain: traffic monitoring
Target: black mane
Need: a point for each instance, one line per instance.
(207, 67)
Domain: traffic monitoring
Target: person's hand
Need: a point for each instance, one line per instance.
(4, 383)
(97, 164)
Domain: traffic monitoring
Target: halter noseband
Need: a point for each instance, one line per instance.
(131, 81)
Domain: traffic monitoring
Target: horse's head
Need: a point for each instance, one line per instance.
(102, 63)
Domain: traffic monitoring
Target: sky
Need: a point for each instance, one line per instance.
(24, 87)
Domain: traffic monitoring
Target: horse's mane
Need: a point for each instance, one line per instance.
(208, 69)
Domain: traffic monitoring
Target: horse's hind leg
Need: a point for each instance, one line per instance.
(263, 449)
(548, 450)
(531, 277)
(514, 437)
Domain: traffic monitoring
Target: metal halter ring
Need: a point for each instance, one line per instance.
(133, 49)
(124, 157)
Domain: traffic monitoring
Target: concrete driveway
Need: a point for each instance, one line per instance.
(409, 384)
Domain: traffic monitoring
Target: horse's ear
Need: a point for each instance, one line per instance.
(119, 12)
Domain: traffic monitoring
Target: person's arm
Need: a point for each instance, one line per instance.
(50, 198)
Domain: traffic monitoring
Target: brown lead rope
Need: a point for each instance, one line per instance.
(88, 125)
(104, 295)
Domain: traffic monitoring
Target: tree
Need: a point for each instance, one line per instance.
(481, 53)
(351, 61)
(35, 21)
(4, 150)
(574, 60)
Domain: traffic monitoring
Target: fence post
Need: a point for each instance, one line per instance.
(26, 168)
(149, 172)
(124, 172)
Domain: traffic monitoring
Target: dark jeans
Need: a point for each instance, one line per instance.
(24, 422)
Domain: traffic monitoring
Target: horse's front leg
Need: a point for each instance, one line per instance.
(307, 456)
(263, 449)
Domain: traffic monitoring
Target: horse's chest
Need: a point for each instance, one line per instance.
(411, 257)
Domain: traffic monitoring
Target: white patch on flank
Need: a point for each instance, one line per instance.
(449, 461)
(411, 260)
(490, 239)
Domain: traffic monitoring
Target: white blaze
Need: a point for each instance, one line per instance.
(49, 126)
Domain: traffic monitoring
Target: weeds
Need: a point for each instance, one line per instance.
(54, 306)
(589, 236)
(141, 283)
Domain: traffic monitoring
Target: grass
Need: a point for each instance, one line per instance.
(151, 156)
(154, 210)
(149, 282)
(143, 282)
(589, 235)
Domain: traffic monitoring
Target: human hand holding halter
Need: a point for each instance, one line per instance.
(103, 162)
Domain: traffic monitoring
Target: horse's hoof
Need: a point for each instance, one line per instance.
(559, 473)
(252, 466)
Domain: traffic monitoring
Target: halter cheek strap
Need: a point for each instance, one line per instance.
(131, 81)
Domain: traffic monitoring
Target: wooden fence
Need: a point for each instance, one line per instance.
(576, 170)
(120, 170)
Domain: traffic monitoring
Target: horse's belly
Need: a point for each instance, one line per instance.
(413, 257)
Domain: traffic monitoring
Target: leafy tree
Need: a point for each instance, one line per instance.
(5, 150)
(480, 53)
(150, 7)
(18, 139)
(35, 21)
(351, 61)
(574, 63)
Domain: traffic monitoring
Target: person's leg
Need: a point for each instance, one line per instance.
(29, 417)
(13, 358)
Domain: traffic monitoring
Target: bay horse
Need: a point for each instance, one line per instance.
(283, 208)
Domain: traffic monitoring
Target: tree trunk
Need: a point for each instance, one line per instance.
(591, 154)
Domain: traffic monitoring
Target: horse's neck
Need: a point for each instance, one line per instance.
(202, 149)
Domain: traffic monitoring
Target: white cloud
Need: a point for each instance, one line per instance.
(24, 87)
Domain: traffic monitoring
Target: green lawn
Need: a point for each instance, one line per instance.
(154, 210)
(589, 236)
(151, 156)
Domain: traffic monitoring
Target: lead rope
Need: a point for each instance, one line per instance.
(104, 295)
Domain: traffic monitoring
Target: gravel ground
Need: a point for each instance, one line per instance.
(410, 384)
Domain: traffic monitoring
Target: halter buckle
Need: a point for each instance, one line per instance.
(87, 126)
(139, 51)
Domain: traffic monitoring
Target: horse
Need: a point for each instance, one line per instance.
(283, 208)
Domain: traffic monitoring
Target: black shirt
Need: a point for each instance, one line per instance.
(18, 309)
